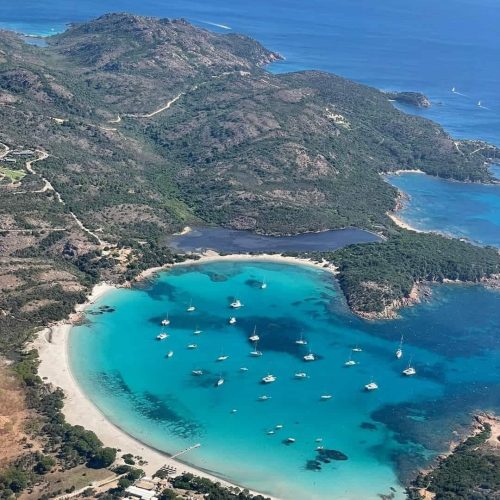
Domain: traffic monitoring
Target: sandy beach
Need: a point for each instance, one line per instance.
(401, 223)
(212, 256)
(52, 345)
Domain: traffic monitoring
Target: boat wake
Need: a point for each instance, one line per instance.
(217, 25)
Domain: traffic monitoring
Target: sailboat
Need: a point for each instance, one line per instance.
(170, 354)
(254, 337)
(399, 350)
(264, 398)
(222, 357)
(300, 375)
(192, 346)
(166, 321)
(453, 89)
(255, 352)
(197, 331)
(191, 308)
(325, 397)
(162, 336)
(357, 349)
(232, 320)
(409, 371)
(197, 372)
(219, 382)
(479, 103)
(263, 285)
(350, 361)
(301, 341)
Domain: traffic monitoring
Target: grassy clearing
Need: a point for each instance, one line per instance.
(13, 175)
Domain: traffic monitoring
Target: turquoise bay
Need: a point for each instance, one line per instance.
(385, 434)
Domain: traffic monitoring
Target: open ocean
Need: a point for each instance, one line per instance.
(425, 46)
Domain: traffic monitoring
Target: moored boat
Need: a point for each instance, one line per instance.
(268, 379)
(236, 304)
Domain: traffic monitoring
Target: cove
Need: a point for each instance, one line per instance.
(462, 210)
(384, 434)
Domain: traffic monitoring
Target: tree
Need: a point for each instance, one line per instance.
(103, 457)
(44, 464)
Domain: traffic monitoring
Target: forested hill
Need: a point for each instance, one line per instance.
(126, 128)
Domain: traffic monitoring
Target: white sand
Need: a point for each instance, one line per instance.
(52, 346)
(401, 223)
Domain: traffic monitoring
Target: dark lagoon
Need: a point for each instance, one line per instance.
(234, 241)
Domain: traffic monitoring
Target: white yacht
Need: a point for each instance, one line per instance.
(254, 337)
(243, 369)
(236, 304)
(350, 361)
(409, 371)
(325, 397)
(234, 410)
(222, 357)
(319, 448)
(372, 386)
(219, 382)
(264, 398)
(399, 350)
(301, 341)
(290, 440)
(268, 379)
(279, 426)
(191, 308)
(170, 354)
(301, 375)
(309, 357)
(162, 336)
(232, 320)
(197, 372)
(255, 353)
(192, 346)
(270, 433)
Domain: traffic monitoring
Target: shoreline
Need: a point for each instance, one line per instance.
(52, 344)
(212, 256)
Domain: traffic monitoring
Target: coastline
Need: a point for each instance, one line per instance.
(401, 223)
(52, 344)
(212, 256)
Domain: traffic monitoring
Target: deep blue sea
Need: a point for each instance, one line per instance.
(425, 46)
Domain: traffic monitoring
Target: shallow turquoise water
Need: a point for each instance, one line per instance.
(462, 210)
(124, 370)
